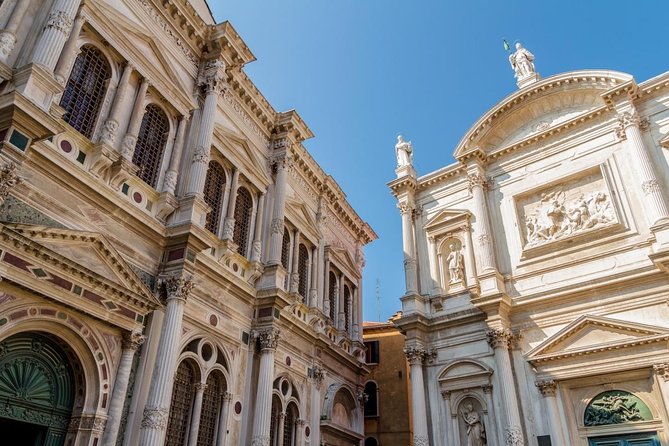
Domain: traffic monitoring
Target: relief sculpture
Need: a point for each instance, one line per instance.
(615, 407)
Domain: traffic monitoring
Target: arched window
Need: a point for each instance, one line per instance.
(243, 210)
(372, 403)
(274, 421)
(182, 403)
(371, 441)
(214, 187)
(332, 293)
(285, 249)
(289, 431)
(151, 144)
(302, 270)
(85, 90)
(211, 408)
(348, 302)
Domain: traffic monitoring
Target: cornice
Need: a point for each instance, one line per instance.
(653, 85)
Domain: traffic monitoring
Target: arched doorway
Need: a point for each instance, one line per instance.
(37, 389)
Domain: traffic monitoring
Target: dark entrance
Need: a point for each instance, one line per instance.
(647, 439)
(36, 390)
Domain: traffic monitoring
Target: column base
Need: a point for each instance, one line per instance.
(192, 209)
(38, 84)
(491, 283)
(413, 303)
(101, 159)
(273, 277)
(167, 203)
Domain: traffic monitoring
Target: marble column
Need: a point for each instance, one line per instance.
(548, 389)
(138, 109)
(55, 33)
(229, 222)
(70, 51)
(299, 432)
(335, 301)
(256, 248)
(172, 174)
(313, 282)
(196, 414)
(326, 287)
(492, 441)
(108, 134)
(317, 376)
(410, 270)
(282, 164)
(435, 263)
(416, 356)
(269, 341)
(470, 261)
(448, 424)
(500, 339)
(662, 379)
(295, 274)
(281, 425)
(8, 35)
(341, 304)
(478, 185)
(129, 345)
(653, 196)
(156, 411)
(222, 435)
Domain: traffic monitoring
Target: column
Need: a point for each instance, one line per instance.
(130, 138)
(653, 197)
(256, 248)
(229, 223)
(313, 292)
(70, 50)
(222, 434)
(335, 301)
(318, 376)
(299, 432)
(341, 304)
(436, 260)
(406, 210)
(156, 411)
(197, 412)
(8, 35)
(282, 164)
(295, 275)
(470, 261)
(499, 339)
(269, 340)
(129, 345)
(547, 389)
(281, 425)
(326, 287)
(356, 319)
(487, 391)
(478, 184)
(213, 81)
(349, 304)
(416, 356)
(108, 134)
(55, 33)
(446, 395)
(662, 379)
(172, 174)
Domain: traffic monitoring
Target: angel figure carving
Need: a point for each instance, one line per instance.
(522, 62)
(475, 430)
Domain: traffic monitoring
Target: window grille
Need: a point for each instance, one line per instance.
(333, 295)
(302, 261)
(85, 90)
(182, 403)
(289, 426)
(150, 144)
(243, 210)
(285, 248)
(347, 307)
(211, 407)
(372, 403)
(214, 187)
(274, 421)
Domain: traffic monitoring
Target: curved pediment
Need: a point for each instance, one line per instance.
(545, 105)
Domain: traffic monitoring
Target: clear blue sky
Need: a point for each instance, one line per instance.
(361, 71)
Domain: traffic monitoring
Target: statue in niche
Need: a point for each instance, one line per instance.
(475, 430)
(404, 152)
(455, 262)
(522, 62)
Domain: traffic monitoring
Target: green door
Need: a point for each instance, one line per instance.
(36, 390)
(647, 439)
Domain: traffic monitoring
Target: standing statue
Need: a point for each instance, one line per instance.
(522, 62)
(455, 264)
(404, 152)
(475, 429)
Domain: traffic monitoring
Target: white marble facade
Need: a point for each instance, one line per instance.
(554, 330)
(191, 271)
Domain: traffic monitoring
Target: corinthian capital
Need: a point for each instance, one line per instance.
(213, 77)
(477, 180)
(132, 341)
(268, 338)
(281, 160)
(177, 287)
(547, 387)
(662, 370)
(405, 208)
(627, 119)
(415, 355)
(8, 179)
(499, 337)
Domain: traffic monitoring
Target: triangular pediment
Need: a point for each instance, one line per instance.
(447, 217)
(300, 213)
(238, 150)
(590, 334)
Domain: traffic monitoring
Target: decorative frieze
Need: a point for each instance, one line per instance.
(499, 337)
(8, 180)
(547, 387)
(155, 15)
(230, 99)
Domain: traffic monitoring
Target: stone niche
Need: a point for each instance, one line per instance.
(567, 209)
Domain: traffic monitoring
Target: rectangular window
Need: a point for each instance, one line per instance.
(372, 355)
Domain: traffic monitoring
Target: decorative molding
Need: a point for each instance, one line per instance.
(201, 155)
(487, 388)
(499, 337)
(662, 370)
(60, 21)
(513, 436)
(650, 186)
(155, 15)
(8, 180)
(246, 118)
(547, 387)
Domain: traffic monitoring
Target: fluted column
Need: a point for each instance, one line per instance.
(295, 275)
(652, 193)
(138, 109)
(195, 415)
(326, 287)
(229, 222)
(661, 371)
(55, 33)
(313, 292)
(172, 174)
(410, 271)
(478, 184)
(70, 50)
(280, 427)
(8, 35)
(317, 376)
(448, 422)
(156, 411)
(341, 305)
(299, 432)
(548, 389)
(256, 248)
(470, 261)
(269, 340)
(222, 435)
(108, 134)
(282, 164)
(213, 80)
(416, 356)
(500, 339)
(436, 260)
(129, 345)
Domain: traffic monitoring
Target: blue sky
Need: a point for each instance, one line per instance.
(361, 71)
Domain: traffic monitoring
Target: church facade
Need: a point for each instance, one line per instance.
(175, 268)
(535, 310)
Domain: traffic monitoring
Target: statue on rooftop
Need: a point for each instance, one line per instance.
(522, 62)
(404, 152)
